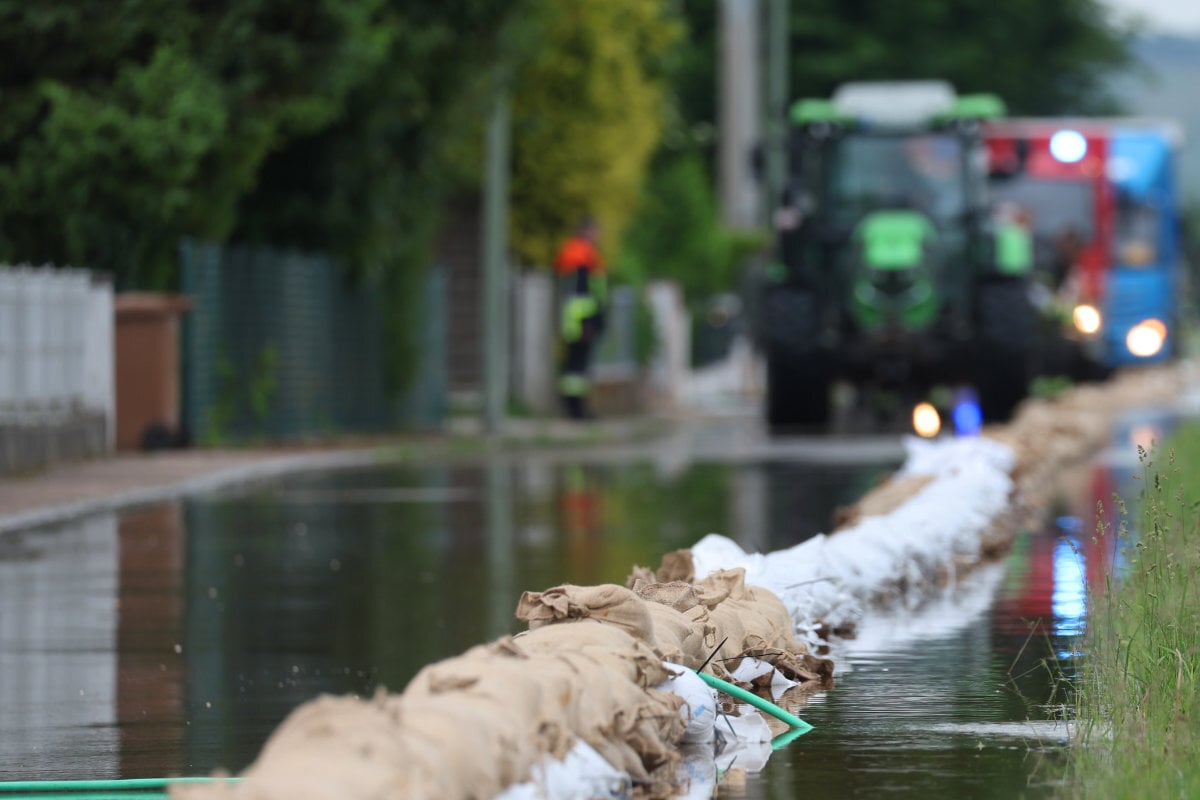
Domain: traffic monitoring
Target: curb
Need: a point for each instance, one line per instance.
(212, 481)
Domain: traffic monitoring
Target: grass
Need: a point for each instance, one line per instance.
(1137, 706)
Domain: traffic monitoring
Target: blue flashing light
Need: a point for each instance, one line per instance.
(967, 416)
(1068, 146)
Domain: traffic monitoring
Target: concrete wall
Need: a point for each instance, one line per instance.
(670, 368)
(534, 315)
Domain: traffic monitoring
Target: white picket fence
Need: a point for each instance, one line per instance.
(56, 345)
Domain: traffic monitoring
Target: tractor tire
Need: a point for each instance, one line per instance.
(799, 375)
(1007, 335)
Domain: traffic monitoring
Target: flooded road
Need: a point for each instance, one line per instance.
(173, 639)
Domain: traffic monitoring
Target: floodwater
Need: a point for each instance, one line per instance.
(172, 639)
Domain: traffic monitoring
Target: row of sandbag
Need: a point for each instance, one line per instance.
(586, 671)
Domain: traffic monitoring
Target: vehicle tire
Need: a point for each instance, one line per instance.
(1007, 331)
(798, 372)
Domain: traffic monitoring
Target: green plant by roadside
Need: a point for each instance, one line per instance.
(1137, 708)
(677, 235)
(241, 397)
(1050, 386)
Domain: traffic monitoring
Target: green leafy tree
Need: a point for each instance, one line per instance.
(588, 114)
(677, 234)
(1042, 58)
(130, 123)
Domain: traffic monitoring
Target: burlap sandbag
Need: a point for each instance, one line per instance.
(724, 618)
(471, 725)
(608, 603)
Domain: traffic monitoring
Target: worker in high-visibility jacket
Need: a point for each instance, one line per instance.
(583, 293)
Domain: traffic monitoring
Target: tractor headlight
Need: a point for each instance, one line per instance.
(1146, 338)
(1087, 319)
(926, 421)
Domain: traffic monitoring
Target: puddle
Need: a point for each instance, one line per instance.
(173, 639)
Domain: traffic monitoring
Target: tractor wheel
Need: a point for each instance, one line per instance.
(797, 393)
(798, 373)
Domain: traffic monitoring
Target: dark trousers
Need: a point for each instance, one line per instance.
(573, 382)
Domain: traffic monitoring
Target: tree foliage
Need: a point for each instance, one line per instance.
(130, 123)
(677, 234)
(1041, 58)
(588, 109)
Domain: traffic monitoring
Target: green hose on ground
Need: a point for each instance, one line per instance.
(117, 789)
(73, 795)
(766, 706)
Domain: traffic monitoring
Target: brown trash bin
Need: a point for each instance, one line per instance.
(147, 365)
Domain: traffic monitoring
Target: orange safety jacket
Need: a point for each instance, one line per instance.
(578, 253)
(584, 286)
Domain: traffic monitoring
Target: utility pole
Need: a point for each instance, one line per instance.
(495, 261)
(739, 103)
(778, 89)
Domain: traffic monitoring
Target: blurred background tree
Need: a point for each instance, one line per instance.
(588, 111)
(334, 124)
(1042, 58)
(129, 124)
(343, 125)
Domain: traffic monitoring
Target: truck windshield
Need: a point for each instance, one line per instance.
(1061, 213)
(924, 173)
(1054, 207)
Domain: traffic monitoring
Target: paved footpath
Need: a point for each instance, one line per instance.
(69, 490)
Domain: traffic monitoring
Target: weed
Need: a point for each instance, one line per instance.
(1137, 709)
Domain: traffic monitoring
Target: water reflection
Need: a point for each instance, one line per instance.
(174, 639)
(958, 699)
(58, 645)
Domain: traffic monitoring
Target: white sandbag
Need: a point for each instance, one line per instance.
(752, 668)
(700, 701)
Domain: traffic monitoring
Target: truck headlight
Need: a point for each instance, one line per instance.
(1146, 338)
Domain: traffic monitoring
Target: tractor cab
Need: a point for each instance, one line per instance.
(892, 273)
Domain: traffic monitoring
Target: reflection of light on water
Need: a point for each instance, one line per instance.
(1069, 600)
(1146, 435)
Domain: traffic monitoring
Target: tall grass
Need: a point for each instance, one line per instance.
(1137, 708)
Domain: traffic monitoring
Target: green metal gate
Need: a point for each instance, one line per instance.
(281, 345)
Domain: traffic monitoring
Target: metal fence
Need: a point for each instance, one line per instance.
(280, 344)
(55, 345)
(616, 354)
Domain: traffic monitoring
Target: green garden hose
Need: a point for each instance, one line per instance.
(119, 788)
(765, 706)
(74, 795)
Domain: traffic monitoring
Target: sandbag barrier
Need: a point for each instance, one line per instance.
(955, 504)
(583, 688)
(585, 671)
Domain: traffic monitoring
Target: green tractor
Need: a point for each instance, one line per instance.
(893, 273)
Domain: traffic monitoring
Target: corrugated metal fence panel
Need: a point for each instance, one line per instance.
(616, 357)
(424, 405)
(281, 344)
(200, 280)
(43, 334)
